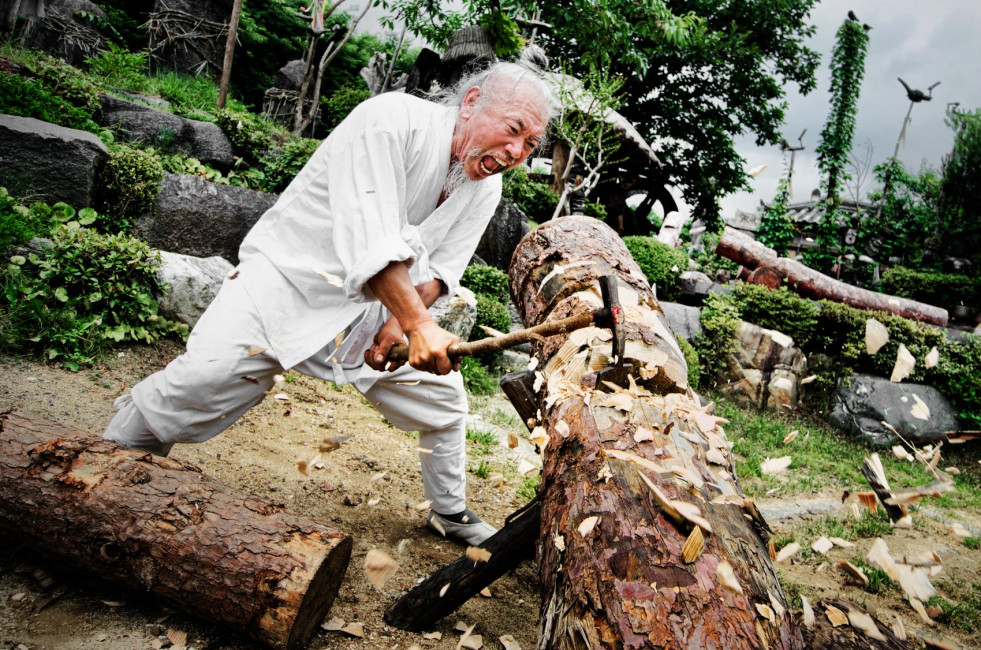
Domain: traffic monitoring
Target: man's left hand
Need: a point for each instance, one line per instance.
(390, 334)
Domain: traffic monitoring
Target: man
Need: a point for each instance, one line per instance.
(380, 222)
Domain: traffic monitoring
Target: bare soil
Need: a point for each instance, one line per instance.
(259, 455)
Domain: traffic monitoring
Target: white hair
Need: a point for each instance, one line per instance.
(513, 75)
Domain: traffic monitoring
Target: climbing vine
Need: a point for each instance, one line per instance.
(847, 70)
(776, 227)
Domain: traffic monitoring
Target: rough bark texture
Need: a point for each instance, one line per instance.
(634, 458)
(157, 525)
(772, 271)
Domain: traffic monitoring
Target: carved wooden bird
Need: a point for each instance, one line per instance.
(918, 95)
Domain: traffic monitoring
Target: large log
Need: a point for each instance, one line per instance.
(647, 466)
(769, 269)
(160, 526)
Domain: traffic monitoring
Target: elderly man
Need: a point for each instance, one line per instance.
(380, 222)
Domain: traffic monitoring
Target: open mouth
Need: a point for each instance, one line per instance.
(491, 165)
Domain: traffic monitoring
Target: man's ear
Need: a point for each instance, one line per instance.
(469, 104)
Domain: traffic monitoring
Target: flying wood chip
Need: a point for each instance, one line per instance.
(332, 279)
(790, 436)
(256, 350)
(932, 358)
(512, 440)
(920, 410)
(822, 545)
(864, 623)
(773, 466)
(856, 573)
(694, 546)
(876, 335)
(379, 567)
(921, 610)
(788, 551)
(765, 612)
(476, 554)
(904, 364)
(727, 577)
(836, 616)
(808, 612)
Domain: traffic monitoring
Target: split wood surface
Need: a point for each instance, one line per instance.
(630, 474)
(160, 526)
(772, 271)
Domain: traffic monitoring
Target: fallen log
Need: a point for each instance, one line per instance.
(768, 269)
(160, 526)
(646, 539)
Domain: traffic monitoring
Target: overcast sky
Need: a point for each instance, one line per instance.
(922, 42)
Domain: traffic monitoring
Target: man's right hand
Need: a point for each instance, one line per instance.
(427, 348)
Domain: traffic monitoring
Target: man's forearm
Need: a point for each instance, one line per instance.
(395, 290)
(430, 291)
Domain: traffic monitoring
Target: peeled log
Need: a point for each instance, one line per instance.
(157, 525)
(638, 462)
(771, 270)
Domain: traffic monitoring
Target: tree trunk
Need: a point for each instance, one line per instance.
(770, 269)
(157, 525)
(648, 465)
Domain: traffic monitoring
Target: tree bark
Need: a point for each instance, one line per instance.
(157, 525)
(770, 269)
(648, 462)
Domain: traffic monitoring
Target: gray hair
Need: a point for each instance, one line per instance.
(514, 73)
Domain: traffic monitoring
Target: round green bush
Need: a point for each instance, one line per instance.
(342, 102)
(718, 341)
(283, 164)
(780, 310)
(536, 200)
(691, 359)
(661, 263)
(130, 183)
(486, 279)
(476, 378)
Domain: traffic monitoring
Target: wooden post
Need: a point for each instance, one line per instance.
(646, 539)
(226, 68)
(771, 270)
(157, 525)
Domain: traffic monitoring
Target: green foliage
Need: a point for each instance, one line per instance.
(487, 280)
(781, 310)
(964, 610)
(662, 264)
(776, 229)
(30, 98)
(476, 379)
(119, 68)
(123, 21)
(529, 487)
(959, 227)
(535, 199)
(18, 224)
(130, 182)
(249, 134)
(594, 210)
(718, 341)
(691, 359)
(84, 293)
(492, 313)
(340, 103)
(908, 217)
(284, 163)
(941, 289)
(879, 580)
(710, 263)
(270, 33)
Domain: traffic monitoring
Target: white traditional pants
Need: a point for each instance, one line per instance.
(202, 392)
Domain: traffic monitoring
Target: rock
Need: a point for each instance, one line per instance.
(682, 319)
(767, 370)
(746, 221)
(505, 230)
(48, 162)
(513, 361)
(457, 313)
(696, 286)
(137, 122)
(193, 284)
(196, 217)
(863, 402)
(290, 76)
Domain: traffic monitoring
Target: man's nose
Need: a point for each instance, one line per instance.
(514, 149)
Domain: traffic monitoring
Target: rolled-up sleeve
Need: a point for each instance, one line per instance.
(450, 259)
(366, 177)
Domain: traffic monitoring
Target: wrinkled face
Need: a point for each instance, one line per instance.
(498, 132)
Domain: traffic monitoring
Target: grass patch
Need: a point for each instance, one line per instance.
(963, 611)
(973, 543)
(482, 470)
(879, 580)
(483, 442)
(502, 418)
(529, 487)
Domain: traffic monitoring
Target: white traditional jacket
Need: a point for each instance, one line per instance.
(367, 197)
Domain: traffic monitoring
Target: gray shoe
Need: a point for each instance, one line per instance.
(472, 531)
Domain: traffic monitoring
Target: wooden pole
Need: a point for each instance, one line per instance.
(160, 526)
(226, 68)
(646, 538)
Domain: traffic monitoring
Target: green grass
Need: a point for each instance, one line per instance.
(963, 609)
(483, 442)
(502, 418)
(973, 543)
(879, 580)
(529, 487)
(482, 470)
(869, 526)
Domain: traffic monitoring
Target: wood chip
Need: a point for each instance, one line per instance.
(876, 335)
(898, 628)
(960, 530)
(256, 350)
(938, 644)
(694, 546)
(379, 476)
(177, 637)
(424, 505)
(869, 500)
(433, 636)
(773, 466)
(423, 450)
(332, 279)
(854, 572)
(497, 480)
(879, 557)
(791, 436)
(919, 410)
(379, 567)
(787, 552)
(301, 467)
(444, 588)
(471, 642)
(526, 467)
(462, 627)
(354, 629)
(843, 543)
(477, 554)
(915, 581)
(865, 624)
(932, 358)
(559, 541)
(836, 616)
(765, 612)
(587, 525)
(485, 592)
(822, 545)
(727, 577)
(643, 434)
(509, 643)
(808, 612)
(901, 453)
(562, 428)
(334, 624)
(904, 364)
(512, 440)
(921, 610)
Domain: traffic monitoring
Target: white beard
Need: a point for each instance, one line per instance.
(455, 178)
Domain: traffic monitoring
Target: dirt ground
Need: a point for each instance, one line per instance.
(259, 455)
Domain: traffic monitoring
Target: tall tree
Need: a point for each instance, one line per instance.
(959, 224)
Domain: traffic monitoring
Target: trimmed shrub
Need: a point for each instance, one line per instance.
(250, 135)
(492, 313)
(691, 359)
(718, 341)
(536, 200)
(486, 279)
(340, 103)
(661, 263)
(476, 378)
(941, 289)
(780, 310)
(283, 164)
(130, 182)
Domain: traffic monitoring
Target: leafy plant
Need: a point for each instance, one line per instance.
(250, 135)
(340, 103)
(662, 264)
(781, 310)
(283, 164)
(31, 98)
(718, 341)
(476, 379)
(18, 224)
(119, 68)
(958, 229)
(130, 183)
(906, 218)
(941, 289)
(535, 199)
(487, 280)
(691, 359)
(776, 229)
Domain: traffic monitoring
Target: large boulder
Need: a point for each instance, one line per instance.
(48, 162)
(192, 283)
(196, 217)
(505, 230)
(290, 76)
(137, 122)
(767, 369)
(684, 320)
(457, 313)
(863, 403)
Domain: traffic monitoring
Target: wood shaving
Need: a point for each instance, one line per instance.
(716, 457)
(921, 610)
(790, 436)
(379, 567)
(256, 350)
(787, 552)
(864, 623)
(879, 557)
(773, 466)
(960, 530)
(919, 410)
(643, 434)
(843, 543)
(904, 364)
(334, 624)
(694, 546)
(869, 500)
(463, 628)
(477, 554)
(915, 582)
(177, 637)
(423, 450)
(374, 502)
(777, 606)
(932, 358)
(485, 593)
(526, 467)
(822, 545)
(808, 612)
(587, 525)
(438, 526)
(471, 642)
(446, 587)
(727, 577)
(559, 541)
(379, 476)
(876, 335)
(898, 628)
(901, 454)
(509, 643)
(562, 428)
(836, 616)
(539, 437)
(856, 573)
(354, 629)
(423, 505)
(332, 279)
(433, 636)
(512, 440)
(765, 612)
